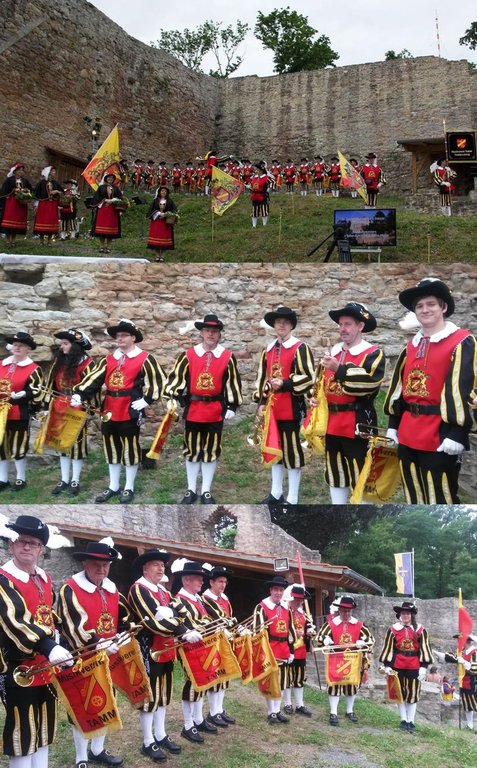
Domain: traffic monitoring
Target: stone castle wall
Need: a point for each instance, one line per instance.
(63, 60)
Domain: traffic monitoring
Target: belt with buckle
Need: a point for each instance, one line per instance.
(416, 409)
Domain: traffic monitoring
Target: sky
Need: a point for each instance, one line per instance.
(359, 30)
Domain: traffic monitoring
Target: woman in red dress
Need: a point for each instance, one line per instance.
(14, 212)
(48, 192)
(107, 218)
(163, 216)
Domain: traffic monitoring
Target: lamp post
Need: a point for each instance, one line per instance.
(94, 128)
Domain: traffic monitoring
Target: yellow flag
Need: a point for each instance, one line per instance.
(106, 158)
(225, 191)
(350, 178)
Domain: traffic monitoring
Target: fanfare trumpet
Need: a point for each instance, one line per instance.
(24, 673)
(367, 431)
(341, 647)
(255, 437)
(56, 394)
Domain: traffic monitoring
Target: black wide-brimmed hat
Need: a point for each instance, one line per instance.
(282, 313)
(217, 571)
(358, 311)
(299, 592)
(96, 550)
(23, 338)
(345, 601)
(189, 568)
(428, 286)
(75, 336)
(210, 321)
(406, 605)
(125, 326)
(370, 156)
(148, 556)
(30, 526)
(277, 581)
(108, 174)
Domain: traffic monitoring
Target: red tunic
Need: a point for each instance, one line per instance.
(303, 172)
(279, 364)
(278, 629)
(299, 621)
(345, 633)
(422, 383)
(102, 608)
(372, 176)
(407, 645)
(206, 375)
(343, 423)
(14, 378)
(335, 172)
(159, 642)
(318, 171)
(121, 378)
(467, 655)
(289, 173)
(259, 188)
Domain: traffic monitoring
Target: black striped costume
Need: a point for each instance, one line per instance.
(407, 662)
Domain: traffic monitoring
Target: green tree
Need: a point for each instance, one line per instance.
(293, 41)
(404, 54)
(470, 37)
(191, 46)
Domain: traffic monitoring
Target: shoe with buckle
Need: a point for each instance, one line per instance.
(4, 484)
(190, 497)
(126, 496)
(74, 488)
(217, 720)
(333, 719)
(272, 500)
(351, 717)
(82, 764)
(273, 719)
(106, 495)
(228, 718)
(304, 711)
(19, 485)
(60, 487)
(288, 709)
(206, 727)
(169, 745)
(403, 725)
(192, 734)
(207, 498)
(105, 758)
(154, 752)
(282, 719)
(411, 727)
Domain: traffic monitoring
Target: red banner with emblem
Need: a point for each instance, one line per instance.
(269, 686)
(86, 691)
(209, 662)
(393, 687)
(343, 668)
(380, 477)
(242, 648)
(263, 660)
(129, 673)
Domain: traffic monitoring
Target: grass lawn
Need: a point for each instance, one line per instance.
(296, 225)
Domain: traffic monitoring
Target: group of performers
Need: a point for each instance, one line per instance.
(94, 622)
(429, 402)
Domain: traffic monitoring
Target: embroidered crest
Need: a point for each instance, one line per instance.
(116, 380)
(281, 627)
(406, 644)
(43, 615)
(205, 380)
(276, 370)
(345, 638)
(105, 624)
(416, 383)
(332, 386)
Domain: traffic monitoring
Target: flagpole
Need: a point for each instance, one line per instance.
(412, 566)
(212, 227)
(280, 228)
(307, 609)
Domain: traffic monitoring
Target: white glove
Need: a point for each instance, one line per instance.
(105, 644)
(17, 395)
(441, 657)
(451, 447)
(172, 404)
(291, 658)
(229, 414)
(59, 655)
(75, 400)
(244, 631)
(446, 183)
(228, 634)
(465, 664)
(392, 434)
(192, 636)
(112, 649)
(122, 638)
(328, 641)
(139, 405)
(164, 612)
(422, 674)
(360, 643)
(389, 670)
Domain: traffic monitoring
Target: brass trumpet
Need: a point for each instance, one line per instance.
(368, 431)
(105, 416)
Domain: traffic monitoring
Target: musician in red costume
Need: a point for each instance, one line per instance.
(344, 630)
(71, 365)
(273, 612)
(189, 176)
(133, 380)
(286, 372)
(303, 173)
(13, 212)
(442, 176)
(334, 172)
(467, 687)
(92, 611)
(176, 177)
(150, 175)
(357, 168)
(47, 192)
(407, 651)
(151, 602)
(220, 609)
(354, 372)
(289, 173)
(20, 381)
(276, 171)
(107, 218)
(374, 179)
(200, 174)
(259, 195)
(206, 382)
(137, 173)
(247, 171)
(428, 400)
(318, 170)
(296, 595)
(28, 632)
(190, 608)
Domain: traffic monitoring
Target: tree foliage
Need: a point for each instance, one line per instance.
(293, 41)
(191, 46)
(404, 54)
(470, 37)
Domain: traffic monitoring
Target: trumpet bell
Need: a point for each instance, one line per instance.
(21, 676)
(105, 417)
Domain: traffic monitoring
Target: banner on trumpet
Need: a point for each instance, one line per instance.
(210, 661)
(162, 434)
(379, 479)
(263, 660)
(86, 691)
(393, 688)
(343, 668)
(269, 686)
(61, 426)
(129, 673)
(242, 648)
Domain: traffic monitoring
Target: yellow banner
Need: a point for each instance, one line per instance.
(106, 156)
(129, 673)
(225, 191)
(242, 647)
(343, 668)
(263, 660)
(380, 477)
(350, 178)
(269, 686)
(209, 662)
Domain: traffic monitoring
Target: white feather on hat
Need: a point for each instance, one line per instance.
(409, 322)
(188, 327)
(265, 325)
(178, 565)
(46, 171)
(207, 566)
(56, 539)
(7, 533)
(110, 543)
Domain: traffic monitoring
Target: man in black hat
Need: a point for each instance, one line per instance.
(20, 379)
(151, 602)
(70, 366)
(259, 185)
(220, 609)
(334, 172)
(346, 632)
(442, 176)
(407, 652)
(374, 179)
(353, 373)
(285, 374)
(189, 606)
(428, 400)
(28, 630)
(133, 380)
(468, 683)
(276, 616)
(319, 172)
(296, 595)
(93, 611)
(206, 381)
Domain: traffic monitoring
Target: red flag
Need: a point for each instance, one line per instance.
(465, 625)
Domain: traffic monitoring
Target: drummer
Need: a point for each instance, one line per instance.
(70, 365)
(344, 630)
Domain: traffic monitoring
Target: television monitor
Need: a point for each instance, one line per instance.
(373, 227)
